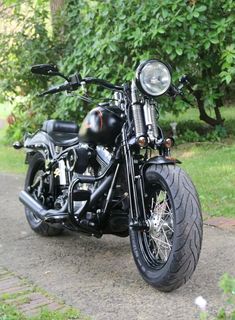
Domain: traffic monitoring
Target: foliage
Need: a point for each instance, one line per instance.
(108, 39)
(27, 42)
(212, 135)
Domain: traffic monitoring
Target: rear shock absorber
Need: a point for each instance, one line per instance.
(137, 110)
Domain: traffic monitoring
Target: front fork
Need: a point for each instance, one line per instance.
(135, 189)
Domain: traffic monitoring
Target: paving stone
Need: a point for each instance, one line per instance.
(13, 290)
(221, 222)
(33, 304)
(5, 276)
(9, 283)
(28, 302)
(3, 271)
(18, 300)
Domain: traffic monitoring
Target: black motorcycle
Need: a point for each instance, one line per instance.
(102, 178)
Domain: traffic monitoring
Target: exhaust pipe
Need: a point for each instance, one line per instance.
(42, 213)
(53, 215)
(32, 204)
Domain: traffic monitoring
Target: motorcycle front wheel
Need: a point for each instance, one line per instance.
(167, 253)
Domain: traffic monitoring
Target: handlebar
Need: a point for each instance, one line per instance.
(76, 81)
(63, 87)
(102, 83)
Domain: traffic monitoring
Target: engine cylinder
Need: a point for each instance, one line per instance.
(77, 160)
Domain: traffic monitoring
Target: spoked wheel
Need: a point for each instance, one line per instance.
(33, 181)
(167, 253)
(156, 244)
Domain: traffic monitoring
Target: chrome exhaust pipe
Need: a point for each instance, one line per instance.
(42, 213)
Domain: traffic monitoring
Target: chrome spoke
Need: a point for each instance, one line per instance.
(161, 227)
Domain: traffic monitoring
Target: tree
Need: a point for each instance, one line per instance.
(56, 7)
(195, 37)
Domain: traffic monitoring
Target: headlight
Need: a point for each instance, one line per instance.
(153, 78)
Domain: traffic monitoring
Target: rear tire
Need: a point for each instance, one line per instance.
(37, 165)
(167, 254)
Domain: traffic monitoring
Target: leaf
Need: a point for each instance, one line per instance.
(228, 78)
(214, 41)
(207, 45)
(168, 50)
(161, 30)
(196, 14)
(179, 51)
(202, 8)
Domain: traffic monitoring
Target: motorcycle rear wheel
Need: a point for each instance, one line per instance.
(167, 254)
(36, 167)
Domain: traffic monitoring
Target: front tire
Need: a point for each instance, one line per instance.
(36, 167)
(167, 254)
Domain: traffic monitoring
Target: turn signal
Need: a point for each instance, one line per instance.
(169, 142)
(142, 141)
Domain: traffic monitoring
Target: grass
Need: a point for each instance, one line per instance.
(190, 120)
(9, 312)
(11, 160)
(5, 110)
(212, 169)
(210, 165)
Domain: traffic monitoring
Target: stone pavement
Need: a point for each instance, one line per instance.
(27, 298)
(221, 222)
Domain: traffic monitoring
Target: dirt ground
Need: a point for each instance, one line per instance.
(99, 275)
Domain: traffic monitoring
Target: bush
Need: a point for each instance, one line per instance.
(108, 39)
(27, 44)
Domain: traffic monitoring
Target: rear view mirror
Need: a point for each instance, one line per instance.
(45, 69)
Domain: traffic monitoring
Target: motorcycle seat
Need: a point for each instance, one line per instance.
(62, 133)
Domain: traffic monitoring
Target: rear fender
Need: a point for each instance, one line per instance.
(39, 142)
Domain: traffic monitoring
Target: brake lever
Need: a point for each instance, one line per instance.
(177, 91)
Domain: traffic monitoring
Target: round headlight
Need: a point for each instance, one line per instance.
(153, 78)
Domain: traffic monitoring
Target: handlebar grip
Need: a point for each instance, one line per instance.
(56, 89)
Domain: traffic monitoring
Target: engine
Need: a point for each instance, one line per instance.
(81, 160)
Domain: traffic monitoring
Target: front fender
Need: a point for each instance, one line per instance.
(161, 160)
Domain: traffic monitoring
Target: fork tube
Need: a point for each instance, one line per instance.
(134, 207)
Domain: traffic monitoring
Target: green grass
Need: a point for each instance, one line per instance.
(190, 120)
(212, 169)
(11, 160)
(9, 312)
(5, 110)
(210, 165)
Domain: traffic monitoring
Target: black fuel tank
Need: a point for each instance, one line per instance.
(101, 126)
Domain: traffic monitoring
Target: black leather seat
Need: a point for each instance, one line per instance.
(62, 133)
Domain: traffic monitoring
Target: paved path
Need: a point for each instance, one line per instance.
(27, 298)
(99, 276)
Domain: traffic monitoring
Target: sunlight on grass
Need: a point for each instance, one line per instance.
(212, 169)
(11, 160)
(5, 110)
